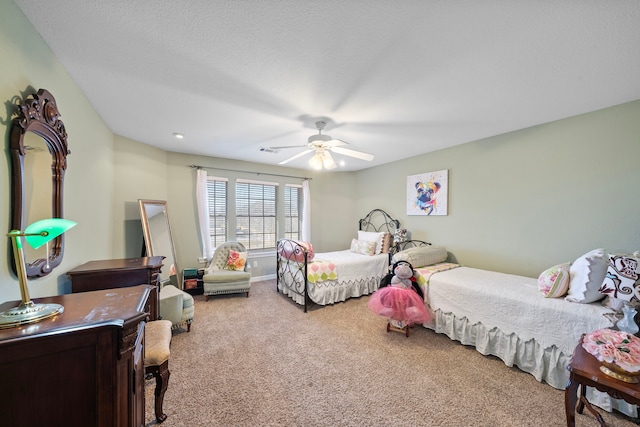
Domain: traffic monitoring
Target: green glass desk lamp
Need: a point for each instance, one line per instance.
(36, 234)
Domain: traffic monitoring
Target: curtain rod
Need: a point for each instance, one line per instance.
(257, 173)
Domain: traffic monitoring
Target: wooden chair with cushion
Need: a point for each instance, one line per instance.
(225, 274)
(157, 349)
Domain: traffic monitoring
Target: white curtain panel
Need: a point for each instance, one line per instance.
(306, 211)
(203, 212)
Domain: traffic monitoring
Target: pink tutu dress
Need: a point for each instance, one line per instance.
(403, 305)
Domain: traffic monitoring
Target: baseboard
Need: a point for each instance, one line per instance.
(262, 278)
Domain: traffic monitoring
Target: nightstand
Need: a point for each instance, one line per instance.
(193, 280)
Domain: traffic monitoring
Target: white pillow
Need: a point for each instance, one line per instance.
(586, 276)
(369, 236)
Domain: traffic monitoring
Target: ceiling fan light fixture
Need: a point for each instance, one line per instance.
(316, 161)
(327, 161)
(322, 160)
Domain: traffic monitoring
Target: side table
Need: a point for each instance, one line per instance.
(193, 283)
(585, 372)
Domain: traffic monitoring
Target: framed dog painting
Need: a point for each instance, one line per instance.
(427, 193)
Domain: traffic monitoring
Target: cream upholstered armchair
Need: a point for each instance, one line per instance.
(227, 274)
(176, 305)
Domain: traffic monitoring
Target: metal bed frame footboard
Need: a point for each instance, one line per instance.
(292, 257)
(291, 271)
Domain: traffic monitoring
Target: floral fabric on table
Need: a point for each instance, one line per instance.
(617, 347)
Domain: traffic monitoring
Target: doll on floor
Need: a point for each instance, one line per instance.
(402, 301)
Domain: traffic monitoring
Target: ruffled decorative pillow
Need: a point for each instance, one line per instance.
(586, 276)
(554, 282)
(387, 242)
(236, 260)
(363, 247)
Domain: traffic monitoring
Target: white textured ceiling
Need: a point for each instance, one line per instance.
(398, 77)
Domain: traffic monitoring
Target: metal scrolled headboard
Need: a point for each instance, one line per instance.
(379, 220)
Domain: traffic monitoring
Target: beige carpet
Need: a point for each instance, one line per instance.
(261, 361)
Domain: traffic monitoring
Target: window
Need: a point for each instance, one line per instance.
(292, 209)
(256, 214)
(217, 197)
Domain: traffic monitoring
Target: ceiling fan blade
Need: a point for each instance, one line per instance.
(335, 143)
(286, 146)
(296, 156)
(357, 154)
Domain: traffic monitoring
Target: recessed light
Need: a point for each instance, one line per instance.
(178, 135)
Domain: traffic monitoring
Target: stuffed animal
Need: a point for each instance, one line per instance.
(400, 298)
(402, 275)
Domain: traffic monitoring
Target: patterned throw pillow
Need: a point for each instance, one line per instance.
(309, 247)
(400, 235)
(621, 280)
(363, 247)
(294, 251)
(371, 236)
(236, 260)
(554, 282)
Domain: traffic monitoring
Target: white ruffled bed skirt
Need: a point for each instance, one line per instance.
(545, 364)
(332, 291)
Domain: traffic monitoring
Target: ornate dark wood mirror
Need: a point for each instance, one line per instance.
(38, 145)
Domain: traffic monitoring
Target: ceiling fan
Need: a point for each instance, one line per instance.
(323, 145)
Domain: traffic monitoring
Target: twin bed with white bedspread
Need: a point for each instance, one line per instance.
(506, 315)
(330, 277)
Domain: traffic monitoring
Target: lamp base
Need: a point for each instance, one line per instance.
(28, 312)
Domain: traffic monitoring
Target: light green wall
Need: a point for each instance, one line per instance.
(28, 65)
(527, 200)
(518, 202)
(145, 172)
(328, 223)
(140, 172)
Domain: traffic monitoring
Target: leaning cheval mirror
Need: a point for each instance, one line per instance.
(158, 240)
(38, 146)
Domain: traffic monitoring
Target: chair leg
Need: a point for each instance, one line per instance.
(206, 297)
(247, 294)
(161, 373)
(189, 325)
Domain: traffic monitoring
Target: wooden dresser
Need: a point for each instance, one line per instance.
(119, 273)
(83, 367)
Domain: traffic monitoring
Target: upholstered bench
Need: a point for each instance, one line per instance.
(157, 346)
